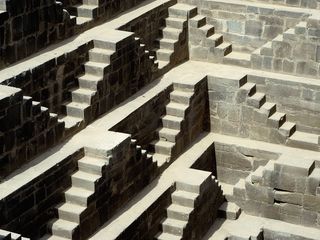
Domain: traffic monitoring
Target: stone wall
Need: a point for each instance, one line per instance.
(27, 129)
(30, 26)
(313, 4)
(147, 224)
(143, 123)
(237, 162)
(247, 26)
(283, 191)
(28, 209)
(299, 100)
(147, 26)
(50, 83)
(296, 51)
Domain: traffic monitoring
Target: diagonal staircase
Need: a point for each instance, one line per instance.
(78, 199)
(276, 119)
(203, 34)
(165, 147)
(79, 110)
(173, 33)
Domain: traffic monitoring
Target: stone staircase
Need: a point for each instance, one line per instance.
(275, 119)
(188, 204)
(166, 147)
(78, 199)
(86, 11)
(237, 58)
(204, 41)
(80, 110)
(5, 235)
(286, 188)
(173, 34)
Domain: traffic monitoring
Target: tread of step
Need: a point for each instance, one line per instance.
(78, 192)
(162, 143)
(92, 165)
(103, 51)
(185, 194)
(73, 208)
(168, 131)
(82, 20)
(305, 137)
(91, 77)
(63, 224)
(177, 105)
(84, 91)
(238, 58)
(86, 6)
(71, 121)
(160, 158)
(174, 222)
(279, 118)
(162, 64)
(172, 118)
(167, 236)
(96, 64)
(178, 93)
(178, 208)
(77, 105)
(86, 176)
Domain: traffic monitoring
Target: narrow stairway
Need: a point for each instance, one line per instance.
(276, 119)
(78, 199)
(86, 11)
(202, 34)
(172, 33)
(78, 111)
(165, 147)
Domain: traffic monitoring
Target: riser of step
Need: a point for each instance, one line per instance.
(99, 56)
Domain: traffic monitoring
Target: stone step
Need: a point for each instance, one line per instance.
(71, 212)
(172, 122)
(89, 81)
(181, 97)
(183, 87)
(83, 95)
(167, 134)
(78, 195)
(66, 229)
(295, 166)
(4, 235)
(198, 21)
(181, 10)
(85, 180)
(91, 2)
(83, 20)
(257, 100)
(176, 109)
(268, 108)
(163, 147)
(170, 33)
(304, 140)
(162, 64)
(277, 119)
(287, 129)
(96, 68)
(164, 54)
(207, 30)
(173, 226)
(101, 55)
(183, 198)
(214, 40)
(174, 22)
(249, 88)
(92, 165)
(238, 59)
(71, 122)
(223, 49)
(257, 175)
(78, 110)
(167, 236)
(86, 11)
(229, 210)
(160, 159)
(164, 43)
(179, 212)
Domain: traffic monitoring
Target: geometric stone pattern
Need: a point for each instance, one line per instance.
(159, 119)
